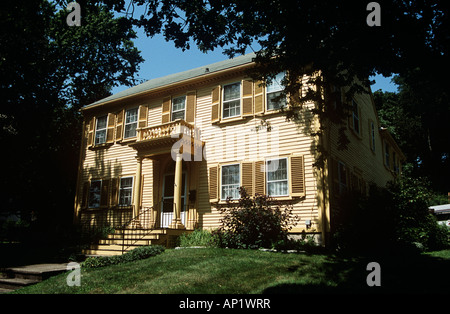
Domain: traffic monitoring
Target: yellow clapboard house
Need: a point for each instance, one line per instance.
(160, 158)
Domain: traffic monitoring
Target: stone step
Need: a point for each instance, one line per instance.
(20, 276)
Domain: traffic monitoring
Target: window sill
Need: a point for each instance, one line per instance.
(128, 140)
(100, 146)
(224, 121)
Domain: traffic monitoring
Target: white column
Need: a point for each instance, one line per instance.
(178, 183)
(137, 188)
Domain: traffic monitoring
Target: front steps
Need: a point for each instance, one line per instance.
(13, 278)
(124, 240)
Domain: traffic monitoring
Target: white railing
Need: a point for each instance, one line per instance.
(170, 129)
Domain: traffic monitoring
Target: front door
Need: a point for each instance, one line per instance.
(167, 200)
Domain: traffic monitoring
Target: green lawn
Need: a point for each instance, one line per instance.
(226, 271)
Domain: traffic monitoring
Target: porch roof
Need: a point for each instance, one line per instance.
(176, 78)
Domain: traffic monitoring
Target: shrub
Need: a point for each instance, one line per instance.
(139, 253)
(395, 217)
(197, 238)
(254, 222)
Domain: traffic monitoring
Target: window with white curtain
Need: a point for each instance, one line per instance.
(274, 89)
(126, 191)
(277, 177)
(230, 182)
(131, 122)
(178, 107)
(100, 130)
(231, 100)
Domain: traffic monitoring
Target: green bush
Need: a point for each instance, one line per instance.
(391, 218)
(197, 238)
(139, 253)
(254, 222)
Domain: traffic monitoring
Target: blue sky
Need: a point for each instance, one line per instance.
(162, 58)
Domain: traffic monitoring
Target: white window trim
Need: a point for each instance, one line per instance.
(105, 129)
(125, 124)
(128, 188)
(287, 177)
(231, 100)
(221, 179)
(179, 110)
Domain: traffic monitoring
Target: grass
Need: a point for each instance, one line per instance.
(227, 271)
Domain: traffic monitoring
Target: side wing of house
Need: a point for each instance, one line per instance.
(371, 155)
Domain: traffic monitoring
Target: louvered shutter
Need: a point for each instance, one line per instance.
(110, 128)
(247, 98)
(260, 175)
(190, 106)
(114, 191)
(143, 111)
(165, 110)
(247, 177)
(104, 195)
(119, 124)
(259, 97)
(297, 176)
(213, 184)
(90, 139)
(215, 107)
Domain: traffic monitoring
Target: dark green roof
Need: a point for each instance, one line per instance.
(178, 77)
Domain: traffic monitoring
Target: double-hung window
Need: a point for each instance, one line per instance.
(95, 193)
(231, 100)
(126, 191)
(100, 130)
(131, 122)
(386, 155)
(178, 108)
(274, 92)
(342, 176)
(277, 177)
(355, 114)
(230, 182)
(372, 133)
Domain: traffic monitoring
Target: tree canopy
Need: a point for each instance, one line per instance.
(48, 71)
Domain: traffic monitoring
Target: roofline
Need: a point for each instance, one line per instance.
(189, 80)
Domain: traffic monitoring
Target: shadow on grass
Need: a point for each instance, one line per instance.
(400, 274)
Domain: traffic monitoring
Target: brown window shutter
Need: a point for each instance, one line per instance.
(111, 128)
(247, 98)
(247, 177)
(104, 194)
(215, 107)
(119, 124)
(166, 110)
(260, 176)
(114, 191)
(213, 184)
(143, 112)
(297, 176)
(90, 139)
(190, 106)
(259, 97)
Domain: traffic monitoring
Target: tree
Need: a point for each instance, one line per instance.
(48, 71)
(418, 116)
(304, 37)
